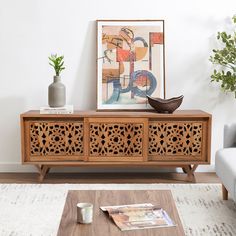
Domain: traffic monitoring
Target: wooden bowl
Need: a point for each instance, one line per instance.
(165, 105)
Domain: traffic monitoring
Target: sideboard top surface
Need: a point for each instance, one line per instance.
(148, 114)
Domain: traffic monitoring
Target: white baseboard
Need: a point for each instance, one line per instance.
(18, 167)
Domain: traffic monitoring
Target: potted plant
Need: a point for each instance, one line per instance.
(57, 90)
(225, 59)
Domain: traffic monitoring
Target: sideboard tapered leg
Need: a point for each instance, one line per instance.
(190, 173)
(224, 193)
(185, 168)
(43, 170)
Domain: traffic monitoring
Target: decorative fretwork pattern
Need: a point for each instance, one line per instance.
(57, 138)
(180, 138)
(120, 139)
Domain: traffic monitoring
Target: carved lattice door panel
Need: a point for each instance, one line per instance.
(55, 140)
(117, 139)
(181, 140)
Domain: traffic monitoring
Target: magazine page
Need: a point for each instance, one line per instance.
(113, 208)
(139, 216)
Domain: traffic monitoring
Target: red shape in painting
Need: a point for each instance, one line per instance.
(156, 38)
(142, 81)
(122, 55)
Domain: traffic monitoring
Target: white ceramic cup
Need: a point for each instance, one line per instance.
(84, 213)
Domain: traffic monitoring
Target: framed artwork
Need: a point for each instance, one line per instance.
(130, 63)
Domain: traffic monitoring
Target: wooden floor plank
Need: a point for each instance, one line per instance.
(108, 178)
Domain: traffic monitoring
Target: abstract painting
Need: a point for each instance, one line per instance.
(130, 63)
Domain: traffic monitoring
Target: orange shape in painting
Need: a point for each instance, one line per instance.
(156, 38)
(140, 53)
(112, 41)
(109, 74)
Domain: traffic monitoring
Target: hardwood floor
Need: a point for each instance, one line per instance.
(107, 178)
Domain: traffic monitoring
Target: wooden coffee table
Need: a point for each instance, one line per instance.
(103, 225)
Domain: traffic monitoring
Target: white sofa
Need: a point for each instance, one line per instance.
(225, 162)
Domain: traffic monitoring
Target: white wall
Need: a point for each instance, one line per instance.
(32, 29)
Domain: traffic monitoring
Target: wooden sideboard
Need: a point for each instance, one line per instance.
(116, 139)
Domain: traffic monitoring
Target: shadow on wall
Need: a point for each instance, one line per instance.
(84, 92)
(207, 95)
(10, 128)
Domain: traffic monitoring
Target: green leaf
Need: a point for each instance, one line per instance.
(225, 59)
(57, 63)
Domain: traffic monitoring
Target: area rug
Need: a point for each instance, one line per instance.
(35, 209)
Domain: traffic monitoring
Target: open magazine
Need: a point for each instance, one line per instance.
(138, 216)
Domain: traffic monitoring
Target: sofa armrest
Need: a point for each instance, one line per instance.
(230, 135)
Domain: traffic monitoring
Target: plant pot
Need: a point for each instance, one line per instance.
(56, 93)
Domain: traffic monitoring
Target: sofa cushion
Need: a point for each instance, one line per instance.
(225, 164)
